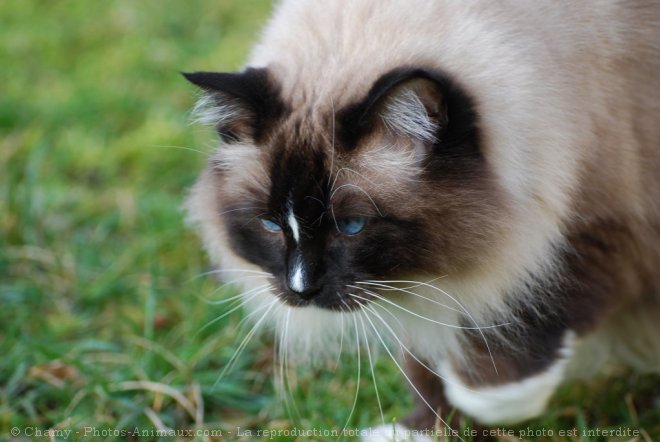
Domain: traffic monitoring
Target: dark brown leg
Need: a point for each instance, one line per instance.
(431, 388)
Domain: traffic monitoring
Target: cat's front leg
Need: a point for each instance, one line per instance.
(508, 386)
(431, 408)
(432, 413)
(430, 400)
(495, 384)
(428, 392)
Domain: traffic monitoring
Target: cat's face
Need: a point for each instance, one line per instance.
(392, 184)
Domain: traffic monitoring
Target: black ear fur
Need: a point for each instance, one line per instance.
(252, 93)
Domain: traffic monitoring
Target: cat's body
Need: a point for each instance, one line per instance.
(499, 158)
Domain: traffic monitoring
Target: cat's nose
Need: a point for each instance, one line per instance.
(302, 283)
(304, 271)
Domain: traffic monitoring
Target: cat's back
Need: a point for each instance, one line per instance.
(349, 42)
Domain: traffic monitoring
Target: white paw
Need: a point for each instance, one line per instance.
(393, 433)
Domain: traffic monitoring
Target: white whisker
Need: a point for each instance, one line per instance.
(414, 286)
(357, 380)
(278, 365)
(483, 336)
(212, 272)
(412, 385)
(224, 301)
(392, 288)
(288, 392)
(361, 190)
(244, 343)
(237, 306)
(250, 315)
(407, 350)
(257, 216)
(332, 153)
(334, 218)
(348, 169)
(206, 154)
(238, 270)
(315, 199)
(241, 208)
(341, 338)
(394, 304)
(278, 348)
(371, 366)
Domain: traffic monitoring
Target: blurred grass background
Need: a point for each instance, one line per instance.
(101, 300)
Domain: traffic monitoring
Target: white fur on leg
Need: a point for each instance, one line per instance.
(512, 402)
(393, 433)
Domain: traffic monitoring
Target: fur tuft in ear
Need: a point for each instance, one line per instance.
(427, 107)
(213, 110)
(415, 109)
(405, 102)
(240, 105)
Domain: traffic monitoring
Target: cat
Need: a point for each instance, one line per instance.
(477, 183)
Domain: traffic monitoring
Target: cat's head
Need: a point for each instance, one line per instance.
(334, 192)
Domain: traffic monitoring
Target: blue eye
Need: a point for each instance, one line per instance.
(351, 226)
(271, 226)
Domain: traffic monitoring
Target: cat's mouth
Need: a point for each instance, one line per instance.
(330, 298)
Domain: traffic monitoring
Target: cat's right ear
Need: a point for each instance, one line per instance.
(403, 102)
(240, 105)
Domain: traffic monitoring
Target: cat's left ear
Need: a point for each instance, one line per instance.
(240, 105)
(408, 103)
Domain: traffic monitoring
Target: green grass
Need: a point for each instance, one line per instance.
(101, 298)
